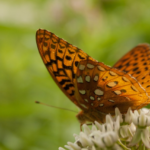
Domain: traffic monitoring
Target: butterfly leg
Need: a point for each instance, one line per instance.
(88, 124)
(81, 124)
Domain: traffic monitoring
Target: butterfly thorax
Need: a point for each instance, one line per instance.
(90, 116)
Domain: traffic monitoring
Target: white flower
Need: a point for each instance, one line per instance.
(128, 117)
(145, 137)
(120, 132)
(140, 118)
(118, 114)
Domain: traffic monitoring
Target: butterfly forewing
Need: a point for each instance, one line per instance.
(61, 60)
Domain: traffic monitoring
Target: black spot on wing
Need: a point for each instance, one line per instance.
(76, 63)
(80, 56)
(53, 46)
(127, 64)
(135, 55)
(68, 57)
(60, 51)
(120, 66)
(58, 58)
(51, 62)
(40, 40)
(135, 64)
(63, 81)
(73, 75)
(67, 86)
(67, 67)
(148, 86)
(135, 69)
(71, 52)
(143, 59)
(138, 72)
(61, 46)
(125, 59)
(146, 68)
(45, 44)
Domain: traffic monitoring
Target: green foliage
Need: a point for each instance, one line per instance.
(105, 29)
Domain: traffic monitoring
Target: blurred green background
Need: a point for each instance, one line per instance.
(105, 29)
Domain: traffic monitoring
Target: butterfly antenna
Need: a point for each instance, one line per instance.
(54, 106)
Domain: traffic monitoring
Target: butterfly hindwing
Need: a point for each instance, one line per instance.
(103, 88)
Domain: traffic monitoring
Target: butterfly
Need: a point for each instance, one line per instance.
(94, 87)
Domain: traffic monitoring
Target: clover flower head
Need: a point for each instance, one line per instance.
(120, 132)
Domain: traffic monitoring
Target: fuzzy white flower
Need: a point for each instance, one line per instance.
(121, 132)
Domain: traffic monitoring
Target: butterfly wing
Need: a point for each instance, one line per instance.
(137, 63)
(94, 87)
(61, 59)
(103, 88)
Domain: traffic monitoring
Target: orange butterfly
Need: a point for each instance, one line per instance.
(94, 87)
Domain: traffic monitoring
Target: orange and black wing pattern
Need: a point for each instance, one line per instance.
(137, 63)
(61, 59)
(93, 86)
(104, 88)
